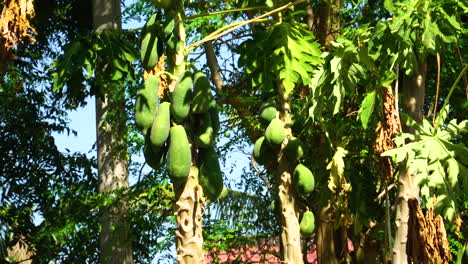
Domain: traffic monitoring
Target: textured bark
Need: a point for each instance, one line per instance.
(189, 212)
(427, 239)
(289, 216)
(326, 251)
(413, 100)
(114, 241)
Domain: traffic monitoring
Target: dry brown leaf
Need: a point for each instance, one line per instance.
(15, 28)
(427, 238)
(163, 84)
(386, 130)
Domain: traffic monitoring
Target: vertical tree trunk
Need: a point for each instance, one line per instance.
(289, 217)
(114, 241)
(190, 203)
(413, 89)
(328, 21)
(325, 238)
(189, 212)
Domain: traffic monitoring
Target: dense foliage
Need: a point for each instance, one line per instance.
(336, 76)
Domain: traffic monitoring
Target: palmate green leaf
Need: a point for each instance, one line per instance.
(439, 163)
(367, 107)
(285, 51)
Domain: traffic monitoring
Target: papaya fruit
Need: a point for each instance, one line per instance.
(202, 97)
(214, 119)
(154, 158)
(263, 153)
(210, 176)
(166, 4)
(182, 97)
(274, 133)
(151, 44)
(161, 126)
(146, 104)
(268, 111)
(179, 155)
(205, 136)
(307, 225)
(295, 149)
(303, 179)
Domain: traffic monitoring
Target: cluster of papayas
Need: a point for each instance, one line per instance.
(191, 104)
(265, 147)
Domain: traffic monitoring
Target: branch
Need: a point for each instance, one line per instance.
(234, 26)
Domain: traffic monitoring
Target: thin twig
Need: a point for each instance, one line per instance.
(437, 90)
(141, 171)
(227, 11)
(238, 25)
(460, 60)
(383, 192)
(260, 173)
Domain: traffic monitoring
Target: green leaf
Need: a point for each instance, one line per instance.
(367, 107)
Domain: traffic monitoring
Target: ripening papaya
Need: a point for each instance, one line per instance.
(295, 149)
(307, 225)
(268, 111)
(182, 97)
(151, 45)
(263, 153)
(205, 136)
(154, 157)
(210, 176)
(303, 179)
(274, 133)
(146, 104)
(179, 155)
(202, 97)
(161, 125)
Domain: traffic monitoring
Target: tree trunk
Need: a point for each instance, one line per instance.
(413, 89)
(190, 203)
(289, 216)
(328, 21)
(114, 241)
(189, 211)
(325, 238)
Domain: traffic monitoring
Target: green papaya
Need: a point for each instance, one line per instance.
(151, 45)
(205, 137)
(307, 225)
(166, 4)
(268, 111)
(210, 176)
(182, 97)
(161, 126)
(214, 119)
(303, 179)
(154, 158)
(263, 153)
(202, 97)
(295, 149)
(274, 133)
(146, 104)
(179, 155)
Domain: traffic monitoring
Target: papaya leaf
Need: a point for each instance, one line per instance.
(367, 107)
(438, 161)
